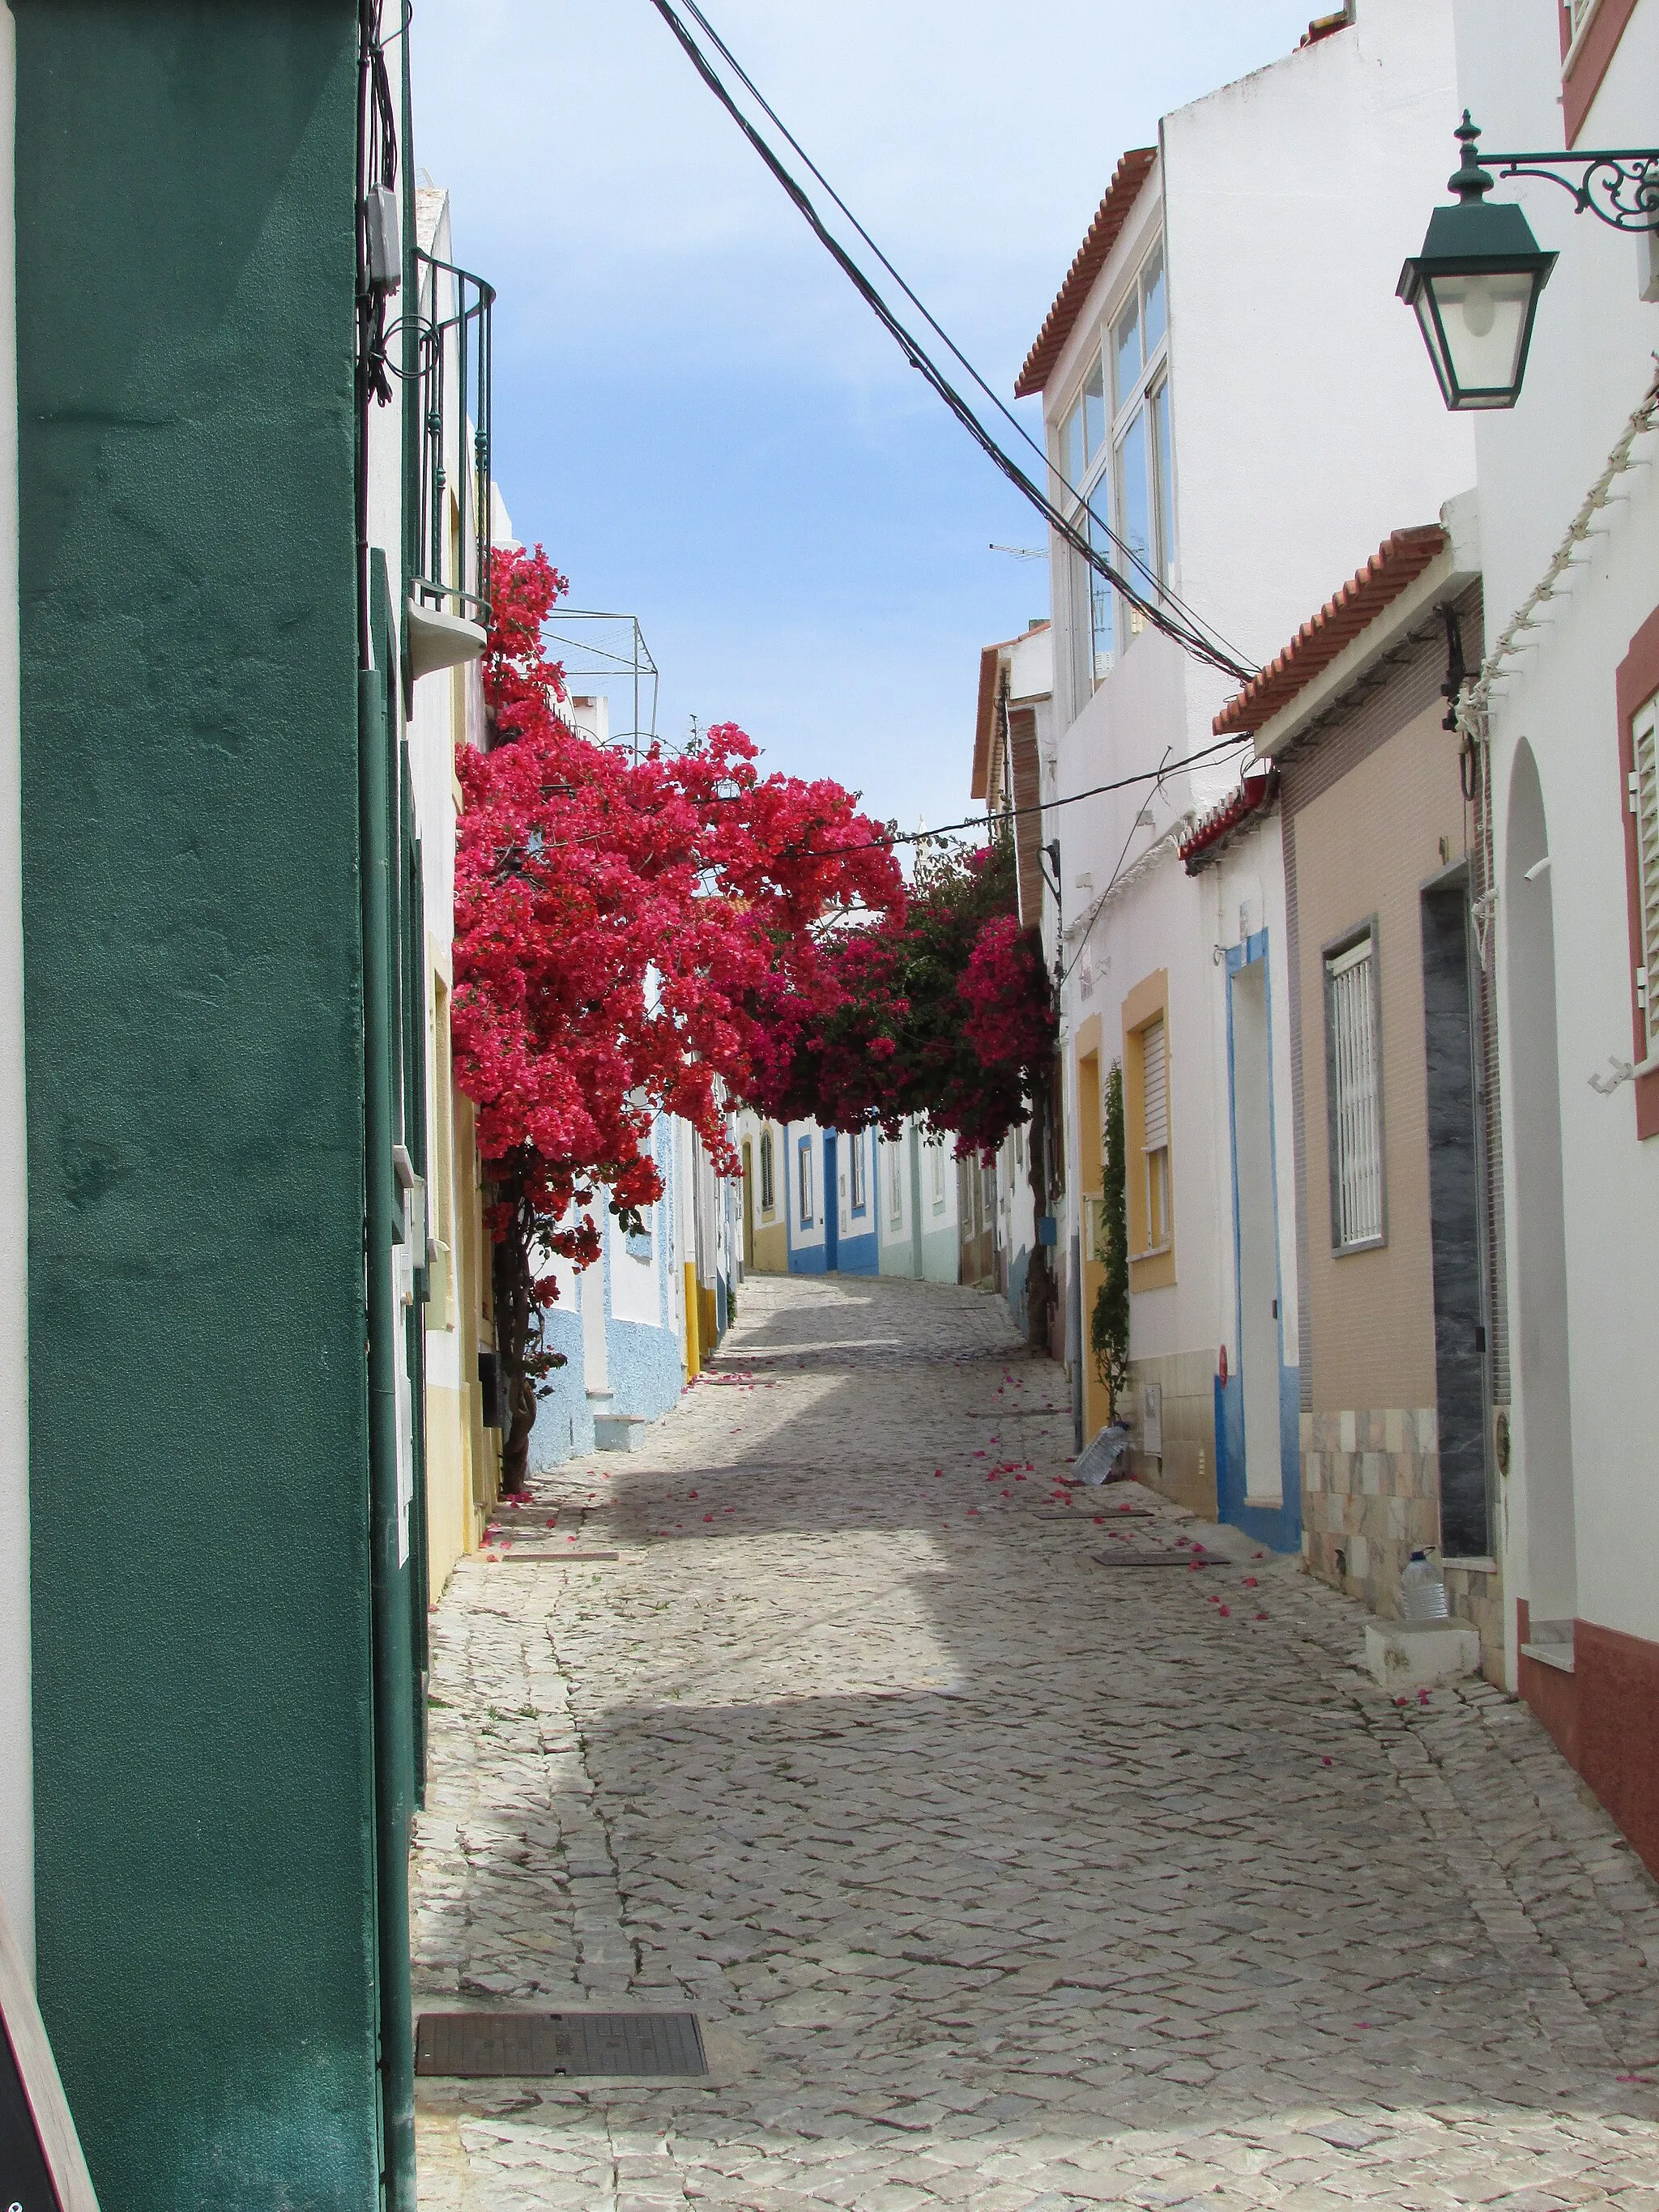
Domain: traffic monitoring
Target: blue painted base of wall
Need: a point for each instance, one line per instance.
(941, 1255)
(645, 1379)
(564, 1425)
(1280, 1528)
(858, 1253)
(807, 1259)
(1019, 1268)
(647, 1374)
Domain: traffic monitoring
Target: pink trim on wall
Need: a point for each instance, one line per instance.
(1581, 84)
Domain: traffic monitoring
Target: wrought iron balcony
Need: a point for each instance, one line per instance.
(449, 490)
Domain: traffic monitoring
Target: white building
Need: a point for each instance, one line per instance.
(1229, 384)
(1574, 821)
(1013, 773)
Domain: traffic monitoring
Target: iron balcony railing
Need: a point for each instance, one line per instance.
(451, 444)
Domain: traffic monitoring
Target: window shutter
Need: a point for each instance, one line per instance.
(1355, 1122)
(1645, 805)
(1155, 1080)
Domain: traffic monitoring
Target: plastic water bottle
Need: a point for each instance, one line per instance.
(1422, 1590)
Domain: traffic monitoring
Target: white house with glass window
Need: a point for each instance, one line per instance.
(1235, 412)
(1569, 503)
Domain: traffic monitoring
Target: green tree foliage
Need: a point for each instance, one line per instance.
(944, 1010)
(1108, 1329)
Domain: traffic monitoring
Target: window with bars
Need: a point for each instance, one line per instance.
(855, 1183)
(805, 1156)
(1155, 1138)
(768, 1174)
(1353, 1067)
(1644, 800)
(896, 1185)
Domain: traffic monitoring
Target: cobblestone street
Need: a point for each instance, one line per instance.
(997, 1878)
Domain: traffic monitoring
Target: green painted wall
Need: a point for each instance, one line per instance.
(199, 1488)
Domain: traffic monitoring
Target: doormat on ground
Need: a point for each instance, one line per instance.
(485, 2045)
(1143, 1555)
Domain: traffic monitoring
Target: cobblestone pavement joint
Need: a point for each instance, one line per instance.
(999, 1879)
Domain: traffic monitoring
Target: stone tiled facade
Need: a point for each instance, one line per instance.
(1370, 1497)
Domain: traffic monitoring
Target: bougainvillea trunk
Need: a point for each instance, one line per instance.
(517, 1316)
(1042, 1149)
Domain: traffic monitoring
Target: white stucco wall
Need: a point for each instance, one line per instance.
(1592, 361)
(16, 1759)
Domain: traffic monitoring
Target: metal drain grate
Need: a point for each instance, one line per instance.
(483, 2046)
(1139, 1555)
(518, 1558)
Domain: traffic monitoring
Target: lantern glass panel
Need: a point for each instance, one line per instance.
(1483, 320)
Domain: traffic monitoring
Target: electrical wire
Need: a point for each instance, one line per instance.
(1172, 599)
(1157, 775)
(1184, 632)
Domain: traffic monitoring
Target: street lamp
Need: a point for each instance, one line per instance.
(1475, 285)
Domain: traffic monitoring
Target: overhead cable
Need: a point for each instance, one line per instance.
(1069, 490)
(1154, 776)
(1182, 629)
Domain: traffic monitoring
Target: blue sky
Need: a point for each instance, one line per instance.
(695, 413)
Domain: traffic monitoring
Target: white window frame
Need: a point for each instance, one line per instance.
(804, 1207)
(1082, 503)
(1353, 1092)
(858, 1198)
(896, 1185)
(1147, 394)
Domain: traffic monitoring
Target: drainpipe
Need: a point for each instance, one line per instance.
(394, 1688)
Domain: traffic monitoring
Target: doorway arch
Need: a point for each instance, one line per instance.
(1541, 1291)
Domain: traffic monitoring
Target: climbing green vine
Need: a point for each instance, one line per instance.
(1108, 1328)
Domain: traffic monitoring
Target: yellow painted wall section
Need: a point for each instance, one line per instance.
(771, 1249)
(474, 1319)
(693, 1323)
(448, 1492)
(1097, 1404)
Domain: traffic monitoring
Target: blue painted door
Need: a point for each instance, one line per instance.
(831, 1205)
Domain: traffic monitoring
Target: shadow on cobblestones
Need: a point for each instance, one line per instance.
(996, 1878)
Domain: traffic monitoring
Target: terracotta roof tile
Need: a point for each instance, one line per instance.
(1212, 831)
(1110, 217)
(989, 660)
(1397, 561)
